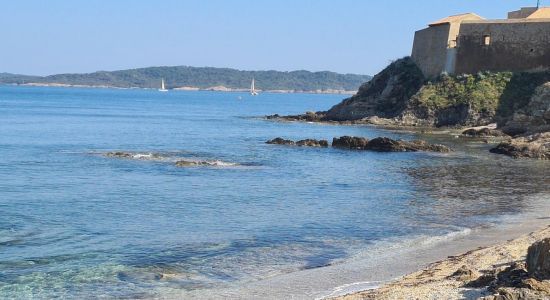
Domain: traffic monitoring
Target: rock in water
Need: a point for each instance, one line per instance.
(384, 144)
(538, 259)
(483, 132)
(533, 146)
(280, 141)
(302, 143)
(312, 143)
(420, 145)
(119, 154)
(350, 142)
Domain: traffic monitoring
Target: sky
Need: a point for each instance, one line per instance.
(42, 37)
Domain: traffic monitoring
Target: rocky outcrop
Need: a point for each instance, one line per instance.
(532, 146)
(483, 132)
(384, 144)
(350, 142)
(538, 259)
(307, 117)
(301, 143)
(312, 143)
(280, 141)
(534, 117)
(386, 95)
(529, 280)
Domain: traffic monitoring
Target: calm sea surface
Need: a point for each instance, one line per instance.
(75, 223)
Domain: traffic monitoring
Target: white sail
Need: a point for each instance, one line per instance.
(162, 88)
(253, 88)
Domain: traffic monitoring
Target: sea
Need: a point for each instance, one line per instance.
(242, 219)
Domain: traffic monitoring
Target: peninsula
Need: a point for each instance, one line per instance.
(203, 78)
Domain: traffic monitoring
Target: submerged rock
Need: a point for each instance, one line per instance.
(532, 146)
(350, 142)
(204, 163)
(538, 259)
(119, 154)
(301, 143)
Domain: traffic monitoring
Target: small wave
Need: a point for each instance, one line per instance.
(205, 163)
(136, 155)
(174, 158)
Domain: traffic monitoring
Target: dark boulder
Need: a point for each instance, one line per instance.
(384, 144)
(538, 259)
(350, 142)
(312, 143)
(280, 141)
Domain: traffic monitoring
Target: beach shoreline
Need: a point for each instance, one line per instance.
(386, 263)
(436, 281)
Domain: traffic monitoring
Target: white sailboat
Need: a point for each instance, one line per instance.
(162, 88)
(253, 88)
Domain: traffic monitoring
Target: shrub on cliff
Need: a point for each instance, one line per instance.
(481, 91)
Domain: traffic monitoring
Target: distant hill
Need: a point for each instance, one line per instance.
(202, 78)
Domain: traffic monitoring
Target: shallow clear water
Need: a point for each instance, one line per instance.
(76, 223)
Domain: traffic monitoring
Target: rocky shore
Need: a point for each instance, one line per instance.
(516, 269)
(380, 144)
(400, 96)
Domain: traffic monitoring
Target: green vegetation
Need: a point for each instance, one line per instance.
(184, 76)
(481, 92)
(497, 93)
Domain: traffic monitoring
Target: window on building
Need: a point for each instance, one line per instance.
(486, 40)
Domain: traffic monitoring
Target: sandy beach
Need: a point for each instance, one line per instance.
(439, 279)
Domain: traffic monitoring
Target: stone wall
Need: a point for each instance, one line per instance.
(513, 46)
(430, 49)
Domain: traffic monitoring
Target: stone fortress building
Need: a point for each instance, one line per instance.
(468, 43)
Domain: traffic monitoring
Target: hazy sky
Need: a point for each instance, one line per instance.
(349, 36)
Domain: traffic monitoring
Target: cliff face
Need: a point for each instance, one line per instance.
(517, 101)
(533, 117)
(386, 95)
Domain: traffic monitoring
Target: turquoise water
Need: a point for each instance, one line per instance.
(76, 223)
